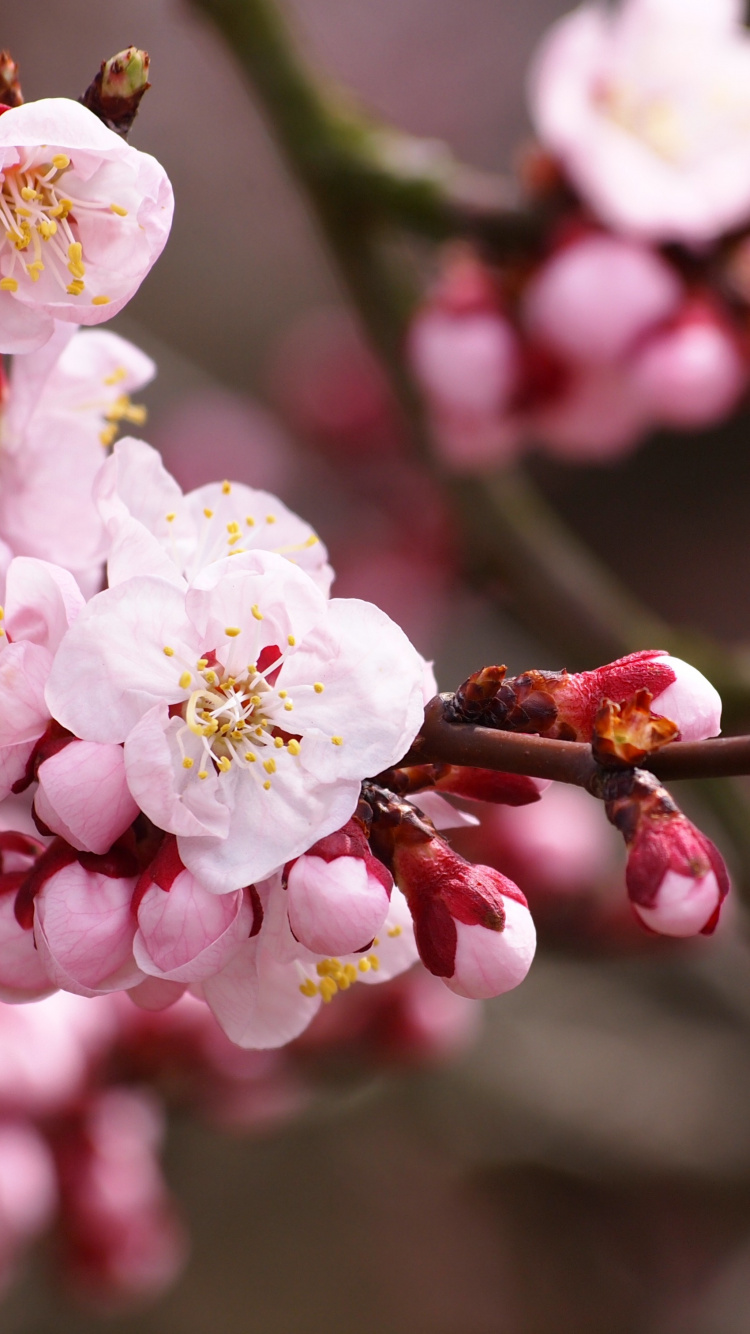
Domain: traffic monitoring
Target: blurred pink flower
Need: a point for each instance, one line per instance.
(692, 373)
(647, 108)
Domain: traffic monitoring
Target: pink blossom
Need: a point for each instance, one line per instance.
(63, 407)
(273, 987)
(646, 107)
(251, 708)
(184, 932)
(83, 795)
(594, 298)
(154, 529)
(338, 894)
(85, 215)
(46, 1049)
(692, 374)
(84, 928)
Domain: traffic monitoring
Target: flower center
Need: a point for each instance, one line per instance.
(333, 975)
(240, 720)
(39, 217)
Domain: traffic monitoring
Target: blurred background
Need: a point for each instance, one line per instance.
(582, 1162)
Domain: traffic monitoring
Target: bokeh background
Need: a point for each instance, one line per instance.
(584, 1166)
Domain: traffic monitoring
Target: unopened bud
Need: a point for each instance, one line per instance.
(472, 925)
(115, 93)
(565, 705)
(676, 877)
(338, 893)
(10, 87)
(466, 781)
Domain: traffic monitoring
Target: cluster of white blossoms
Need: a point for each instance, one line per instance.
(200, 749)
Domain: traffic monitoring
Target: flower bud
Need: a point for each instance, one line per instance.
(676, 878)
(691, 375)
(472, 925)
(185, 933)
(338, 893)
(115, 93)
(593, 299)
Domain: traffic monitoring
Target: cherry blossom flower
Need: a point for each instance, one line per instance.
(273, 987)
(154, 528)
(84, 215)
(250, 707)
(63, 408)
(647, 108)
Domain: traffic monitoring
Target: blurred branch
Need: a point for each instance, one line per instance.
(563, 761)
(357, 175)
(351, 164)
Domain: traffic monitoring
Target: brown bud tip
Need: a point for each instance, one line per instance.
(625, 734)
(115, 93)
(10, 87)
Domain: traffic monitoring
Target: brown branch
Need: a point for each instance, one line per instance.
(564, 761)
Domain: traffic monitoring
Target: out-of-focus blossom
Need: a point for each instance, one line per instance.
(154, 529)
(466, 357)
(329, 387)
(251, 708)
(85, 215)
(594, 298)
(647, 107)
(120, 1236)
(62, 409)
(28, 1191)
(692, 373)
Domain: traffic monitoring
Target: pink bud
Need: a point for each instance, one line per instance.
(691, 375)
(593, 299)
(679, 691)
(84, 928)
(472, 926)
(676, 878)
(466, 362)
(338, 894)
(23, 976)
(596, 418)
(184, 932)
(83, 795)
(28, 1192)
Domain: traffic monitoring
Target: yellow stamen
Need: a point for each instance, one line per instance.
(226, 488)
(293, 747)
(208, 513)
(291, 641)
(278, 742)
(187, 763)
(308, 988)
(337, 740)
(119, 210)
(250, 757)
(267, 785)
(256, 612)
(100, 300)
(168, 652)
(8, 284)
(185, 680)
(232, 631)
(269, 766)
(61, 161)
(318, 687)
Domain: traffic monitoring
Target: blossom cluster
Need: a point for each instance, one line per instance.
(202, 752)
(632, 314)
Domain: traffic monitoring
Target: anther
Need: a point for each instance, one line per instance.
(168, 652)
(256, 612)
(187, 763)
(232, 631)
(278, 742)
(185, 680)
(318, 687)
(337, 740)
(226, 488)
(121, 212)
(293, 747)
